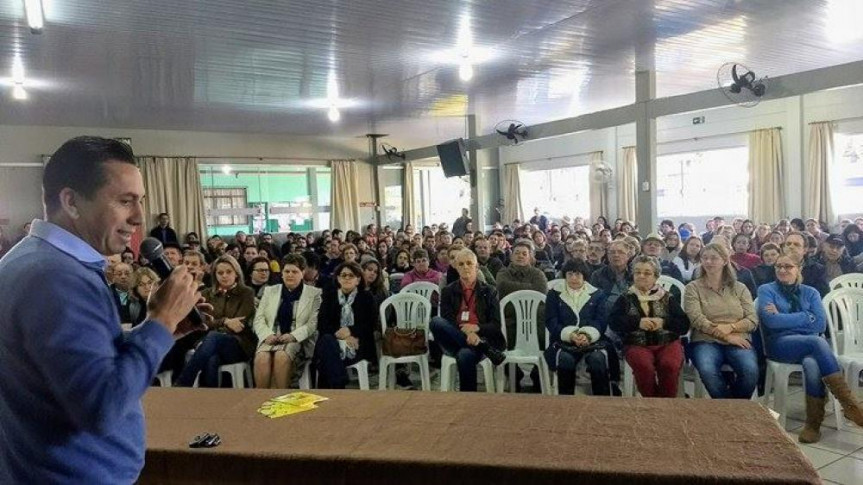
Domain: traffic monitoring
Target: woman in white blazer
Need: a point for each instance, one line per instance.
(286, 324)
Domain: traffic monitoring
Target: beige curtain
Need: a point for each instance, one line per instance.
(512, 193)
(627, 193)
(766, 197)
(408, 195)
(345, 196)
(173, 185)
(817, 196)
(598, 188)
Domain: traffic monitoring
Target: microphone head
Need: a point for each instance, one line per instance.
(151, 248)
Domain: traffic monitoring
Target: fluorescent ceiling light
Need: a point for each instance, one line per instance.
(35, 16)
(333, 114)
(226, 169)
(465, 71)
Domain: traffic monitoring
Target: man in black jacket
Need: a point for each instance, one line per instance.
(468, 328)
(814, 274)
(163, 232)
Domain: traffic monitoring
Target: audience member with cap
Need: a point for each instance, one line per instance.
(653, 245)
(834, 258)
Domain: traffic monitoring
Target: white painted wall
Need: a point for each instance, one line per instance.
(723, 127)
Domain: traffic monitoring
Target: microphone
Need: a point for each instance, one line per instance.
(152, 250)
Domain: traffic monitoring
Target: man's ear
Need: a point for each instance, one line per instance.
(69, 200)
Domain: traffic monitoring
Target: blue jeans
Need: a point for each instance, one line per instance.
(454, 343)
(709, 357)
(812, 352)
(216, 349)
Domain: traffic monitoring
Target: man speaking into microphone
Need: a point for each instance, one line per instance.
(71, 381)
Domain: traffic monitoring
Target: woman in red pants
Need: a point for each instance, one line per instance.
(650, 321)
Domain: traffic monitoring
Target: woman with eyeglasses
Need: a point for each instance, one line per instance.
(145, 280)
(345, 326)
(793, 320)
(260, 276)
(286, 325)
(722, 317)
(650, 321)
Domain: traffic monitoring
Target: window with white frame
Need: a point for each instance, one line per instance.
(223, 199)
(557, 192)
(846, 174)
(703, 183)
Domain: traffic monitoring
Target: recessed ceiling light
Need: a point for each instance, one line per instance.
(333, 114)
(18, 92)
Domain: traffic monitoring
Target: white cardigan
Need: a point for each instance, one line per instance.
(305, 318)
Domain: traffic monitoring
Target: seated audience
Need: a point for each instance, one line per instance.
(814, 274)
(482, 248)
(286, 324)
(653, 245)
(402, 262)
(230, 338)
(673, 246)
(596, 255)
(259, 278)
(650, 322)
(468, 328)
(421, 271)
(373, 281)
(765, 272)
(836, 262)
(853, 237)
(520, 275)
(123, 283)
(722, 318)
(332, 258)
(346, 325)
(575, 320)
(145, 281)
(742, 257)
(441, 263)
(793, 318)
(689, 258)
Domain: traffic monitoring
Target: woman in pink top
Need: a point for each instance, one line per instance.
(421, 271)
(741, 255)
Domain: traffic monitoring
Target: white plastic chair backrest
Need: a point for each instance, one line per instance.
(667, 282)
(411, 310)
(850, 280)
(556, 284)
(526, 304)
(845, 306)
(423, 289)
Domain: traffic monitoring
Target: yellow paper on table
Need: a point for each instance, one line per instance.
(288, 404)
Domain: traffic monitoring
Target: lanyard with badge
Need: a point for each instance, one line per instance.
(465, 314)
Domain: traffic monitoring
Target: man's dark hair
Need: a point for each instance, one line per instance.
(172, 245)
(294, 260)
(312, 259)
(163, 214)
(79, 165)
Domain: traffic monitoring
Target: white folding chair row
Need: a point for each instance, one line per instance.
(361, 368)
(526, 351)
(426, 290)
(667, 283)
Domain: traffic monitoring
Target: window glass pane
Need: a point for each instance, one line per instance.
(700, 184)
(446, 197)
(557, 192)
(846, 176)
(392, 180)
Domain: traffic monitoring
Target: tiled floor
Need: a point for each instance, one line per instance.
(838, 456)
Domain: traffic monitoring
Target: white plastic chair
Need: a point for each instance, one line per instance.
(777, 380)
(423, 289)
(361, 368)
(846, 305)
(667, 282)
(238, 372)
(448, 372)
(164, 378)
(526, 352)
(850, 280)
(412, 311)
(556, 284)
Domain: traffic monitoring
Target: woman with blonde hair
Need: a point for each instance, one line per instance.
(722, 316)
(794, 319)
(230, 339)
